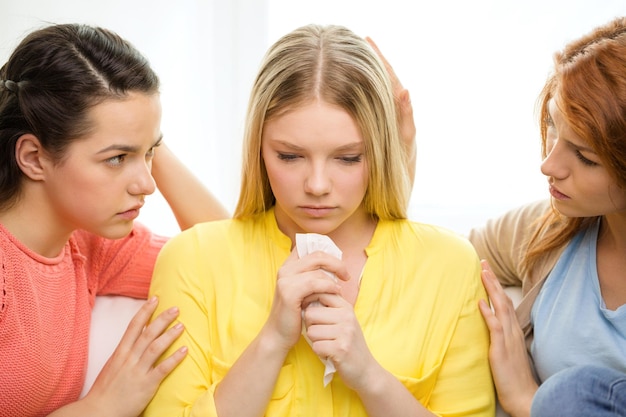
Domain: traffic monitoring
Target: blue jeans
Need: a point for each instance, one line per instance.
(581, 391)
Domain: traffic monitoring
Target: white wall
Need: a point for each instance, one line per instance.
(474, 70)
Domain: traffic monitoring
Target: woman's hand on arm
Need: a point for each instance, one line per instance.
(131, 376)
(406, 122)
(510, 366)
(190, 201)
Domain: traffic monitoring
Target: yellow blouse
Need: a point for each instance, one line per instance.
(417, 306)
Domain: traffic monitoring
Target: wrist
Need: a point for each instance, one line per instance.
(519, 406)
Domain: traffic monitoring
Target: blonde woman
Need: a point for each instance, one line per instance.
(380, 319)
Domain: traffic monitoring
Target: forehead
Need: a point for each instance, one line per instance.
(134, 118)
(315, 122)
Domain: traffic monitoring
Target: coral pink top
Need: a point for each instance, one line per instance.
(45, 312)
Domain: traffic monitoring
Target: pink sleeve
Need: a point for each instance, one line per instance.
(120, 266)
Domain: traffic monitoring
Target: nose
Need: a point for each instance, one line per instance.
(554, 164)
(318, 181)
(142, 182)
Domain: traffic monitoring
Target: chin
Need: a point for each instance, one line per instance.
(571, 211)
(116, 232)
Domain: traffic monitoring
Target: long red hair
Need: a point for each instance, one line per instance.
(589, 82)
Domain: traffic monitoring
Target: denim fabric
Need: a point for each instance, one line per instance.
(582, 391)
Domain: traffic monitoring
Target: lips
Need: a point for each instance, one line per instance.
(131, 213)
(317, 211)
(554, 192)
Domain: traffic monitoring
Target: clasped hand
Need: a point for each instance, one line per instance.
(331, 324)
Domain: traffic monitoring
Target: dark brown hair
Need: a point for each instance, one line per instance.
(50, 82)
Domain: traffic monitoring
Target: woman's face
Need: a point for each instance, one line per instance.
(315, 161)
(102, 181)
(580, 185)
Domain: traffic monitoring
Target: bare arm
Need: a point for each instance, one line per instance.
(336, 334)
(190, 201)
(298, 279)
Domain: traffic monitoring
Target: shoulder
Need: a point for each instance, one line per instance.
(515, 224)
(208, 236)
(437, 236)
(434, 258)
(409, 236)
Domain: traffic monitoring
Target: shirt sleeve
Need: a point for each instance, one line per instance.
(464, 384)
(502, 241)
(119, 266)
(180, 279)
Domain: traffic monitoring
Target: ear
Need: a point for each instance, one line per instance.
(31, 156)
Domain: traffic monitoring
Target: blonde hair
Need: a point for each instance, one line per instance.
(332, 64)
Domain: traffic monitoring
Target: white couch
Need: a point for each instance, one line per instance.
(111, 315)
(109, 319)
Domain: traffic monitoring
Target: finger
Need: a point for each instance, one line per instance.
(490, 282)
(333, 300)
(157, 347)
(156, 328)
(292, 291)
(312, 285)
(333, 309)
(138, 323)
(312, 301)
(167, 365)
(321, 333)
(493, 324)
(295, 265)
(326, 262)
(499, 299)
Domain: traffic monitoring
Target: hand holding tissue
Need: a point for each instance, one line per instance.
(311, 242)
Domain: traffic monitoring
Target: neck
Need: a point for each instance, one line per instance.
(353, 235)
(34, 225)
(613, 231)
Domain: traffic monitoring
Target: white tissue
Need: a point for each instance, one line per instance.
(305, 244)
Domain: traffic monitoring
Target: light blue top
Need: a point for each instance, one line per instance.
(571, 322)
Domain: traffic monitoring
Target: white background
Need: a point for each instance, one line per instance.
(474, 70)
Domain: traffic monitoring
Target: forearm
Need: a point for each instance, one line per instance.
(247, 387)
(384, 395)
(82, 408)
(190, 201)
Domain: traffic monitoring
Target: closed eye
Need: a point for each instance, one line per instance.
(287, 156)
(584, 160)
(351, 159)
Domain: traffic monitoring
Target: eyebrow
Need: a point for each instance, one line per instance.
(343, 148)
(127, 148)
(580, 147)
